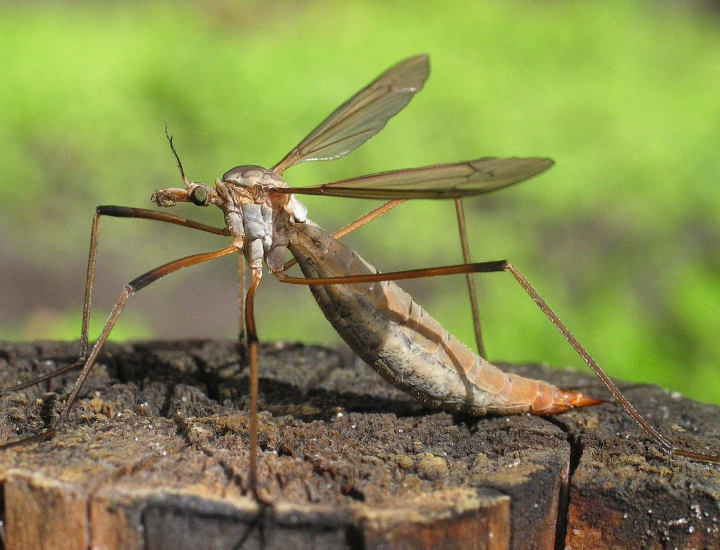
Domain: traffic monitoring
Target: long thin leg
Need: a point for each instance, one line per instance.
(242, 293)
(629, 408)
(117, 212)
(130, 288)
(362, 220)
(478, 267)
(125, 212)
(504, 265)
(460, 211)
(253, 343)
(43, 378)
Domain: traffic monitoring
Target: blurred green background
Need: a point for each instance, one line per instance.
(621, 237)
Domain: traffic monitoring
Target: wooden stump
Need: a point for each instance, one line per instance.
(156, 456)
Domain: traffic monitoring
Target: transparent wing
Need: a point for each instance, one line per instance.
(363, 115)
(439, 181)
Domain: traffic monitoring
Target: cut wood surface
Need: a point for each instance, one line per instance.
(155, 455)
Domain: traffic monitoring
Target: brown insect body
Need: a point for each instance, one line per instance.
(393, 334)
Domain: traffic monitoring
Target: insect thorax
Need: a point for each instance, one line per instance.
(262, 219)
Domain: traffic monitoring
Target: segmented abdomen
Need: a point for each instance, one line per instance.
(386, 328)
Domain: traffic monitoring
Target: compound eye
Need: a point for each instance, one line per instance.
(199, 196)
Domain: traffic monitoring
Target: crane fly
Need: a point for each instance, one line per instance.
(379, 321)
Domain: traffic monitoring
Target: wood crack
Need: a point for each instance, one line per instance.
(346, 456)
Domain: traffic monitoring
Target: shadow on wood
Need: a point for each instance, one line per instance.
(156, 456)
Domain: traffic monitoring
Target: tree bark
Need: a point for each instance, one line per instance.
(155, 455)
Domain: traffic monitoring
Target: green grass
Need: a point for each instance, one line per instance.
(621, 237)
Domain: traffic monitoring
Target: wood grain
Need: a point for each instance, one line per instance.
(156, 456)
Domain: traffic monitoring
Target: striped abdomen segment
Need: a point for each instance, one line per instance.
(386, 328)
